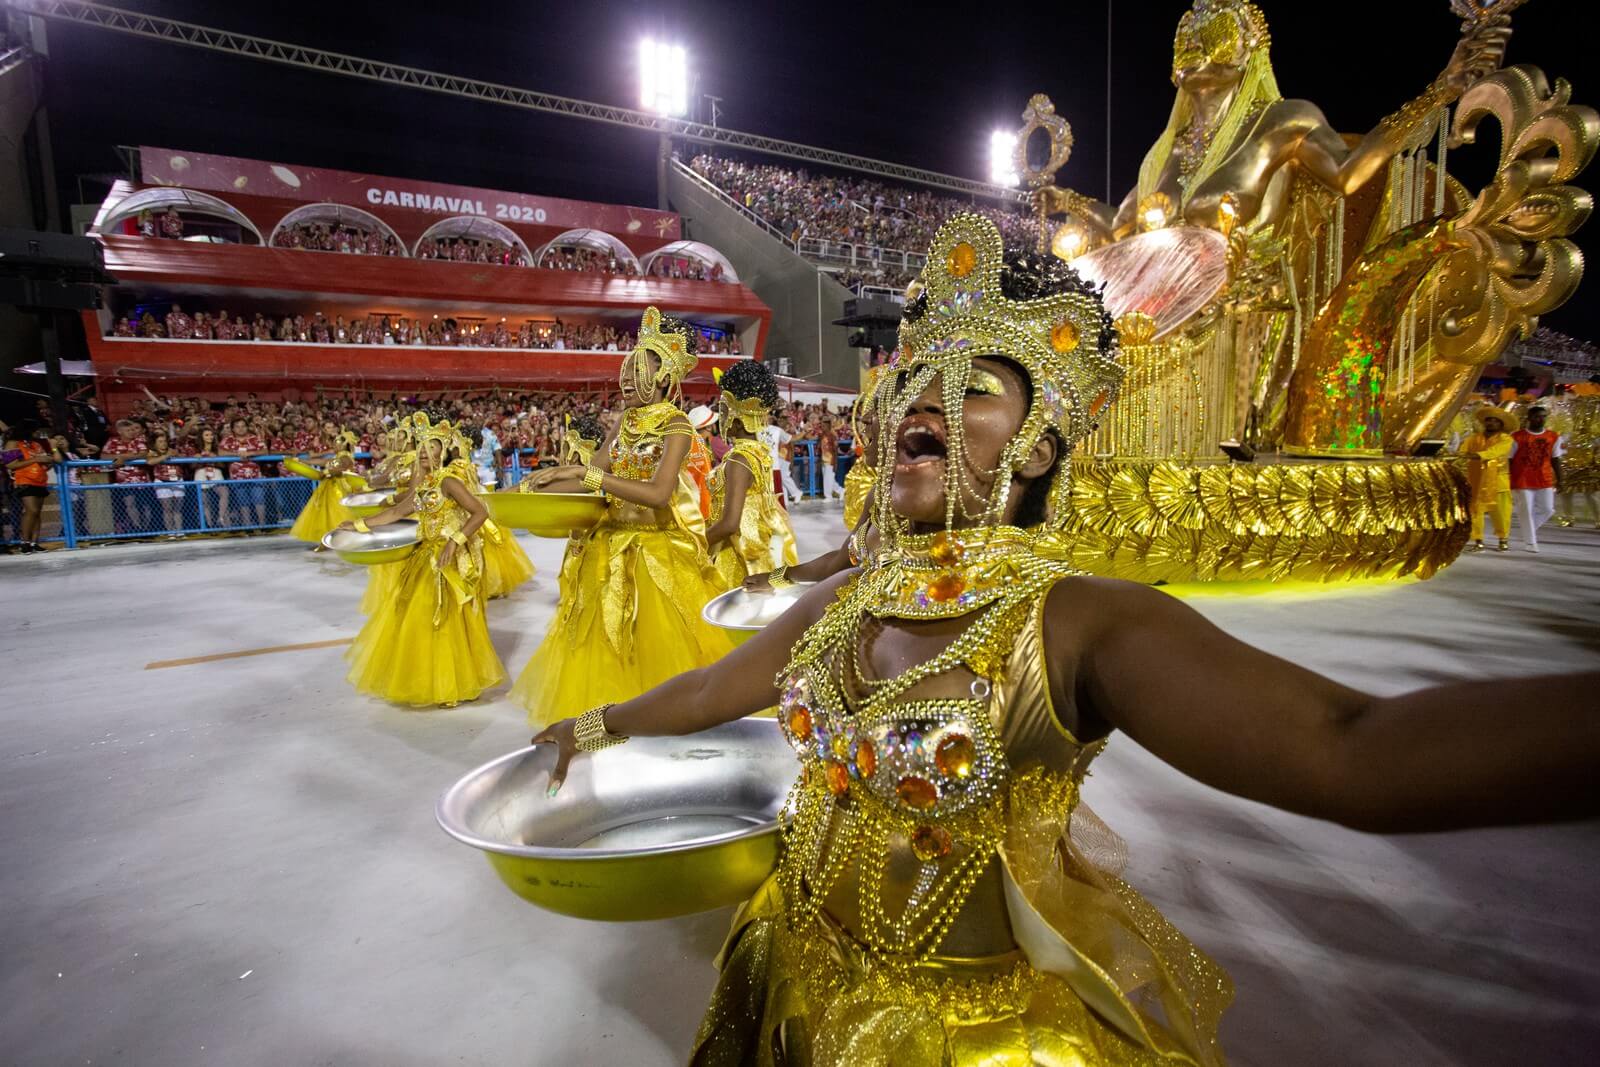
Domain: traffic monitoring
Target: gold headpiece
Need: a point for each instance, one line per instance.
(1063, 341)
(751, 413)
(575, 448)
(1215, 31)
(670, 347)
(347, 438)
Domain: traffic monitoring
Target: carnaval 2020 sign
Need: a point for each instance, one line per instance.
(227, 174)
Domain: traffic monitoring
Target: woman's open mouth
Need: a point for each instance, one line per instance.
(920, 440)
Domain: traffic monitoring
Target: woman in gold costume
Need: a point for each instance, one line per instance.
(339, 479)
(583, 435)
(427, 643)
(631, 617)
(863, 428)
(392, 472)
(505, 564)
(930, 905)
(749, 532)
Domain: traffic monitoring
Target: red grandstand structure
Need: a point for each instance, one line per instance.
(502, 264)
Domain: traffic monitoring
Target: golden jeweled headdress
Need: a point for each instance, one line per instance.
(670, 347)
(1063, 340)
(750, 413)
(1215, 30)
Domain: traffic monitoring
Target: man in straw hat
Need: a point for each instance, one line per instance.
(1488, 472)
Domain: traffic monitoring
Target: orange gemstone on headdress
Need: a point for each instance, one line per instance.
(955, 756)
(945, 550)
(800, 721)
(930, 842)
(866, 758)
(838, 778)
(946, 586)
(961, 260)
(1064, 338)
(915, 792)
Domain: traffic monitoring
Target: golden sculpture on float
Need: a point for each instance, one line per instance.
(1327, 301)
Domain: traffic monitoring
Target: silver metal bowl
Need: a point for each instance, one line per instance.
(385, 544)
(744, 614)
(660, 826)
(369, 503)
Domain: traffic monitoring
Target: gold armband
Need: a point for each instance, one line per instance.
(779, 579)
(459, 538)
(592, 479)
(362, 527)
(590, 731)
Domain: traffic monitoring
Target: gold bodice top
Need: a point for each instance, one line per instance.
(932, 819)
(762, 517)
(636, 454)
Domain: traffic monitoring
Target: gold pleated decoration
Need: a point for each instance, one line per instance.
(1187, 521)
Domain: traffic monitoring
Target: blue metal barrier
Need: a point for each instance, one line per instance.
(107, 511)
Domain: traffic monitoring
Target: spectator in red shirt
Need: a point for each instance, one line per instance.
(168, 477)
(1535, 474)
(127, 446)
(28, 462)
(248, 499)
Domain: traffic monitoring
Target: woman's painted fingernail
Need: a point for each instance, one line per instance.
(555, 787)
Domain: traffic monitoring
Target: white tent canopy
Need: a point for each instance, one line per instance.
(697, 250)
(594, 240)
(476, 227)
(187, 201)
(338, 215)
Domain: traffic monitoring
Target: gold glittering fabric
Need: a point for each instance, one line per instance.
(830, 964)
(857, 487)
(764, 539)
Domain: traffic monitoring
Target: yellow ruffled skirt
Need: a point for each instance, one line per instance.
(427, 641)
(629, 619)
(505, 564)
(813, 996)
(323, 511)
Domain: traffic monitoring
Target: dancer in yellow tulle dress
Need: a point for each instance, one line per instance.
(631, 616)
(939, 898)
(427, 644)
(393, 472)
(749, 531)
(339, 479)
(581, 437)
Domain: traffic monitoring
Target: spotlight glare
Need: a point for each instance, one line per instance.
(1002, 158)
(663, 78)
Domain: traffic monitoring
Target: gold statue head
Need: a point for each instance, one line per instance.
(1217, 34)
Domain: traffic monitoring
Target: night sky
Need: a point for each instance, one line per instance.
(922, 85)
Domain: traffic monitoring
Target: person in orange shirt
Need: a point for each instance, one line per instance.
(29, 464)
(1536, 474)
(1488, 455)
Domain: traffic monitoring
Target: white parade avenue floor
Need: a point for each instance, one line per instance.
(234, 860)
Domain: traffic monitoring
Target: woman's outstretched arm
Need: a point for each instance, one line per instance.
(739, 684)
(1466, 754)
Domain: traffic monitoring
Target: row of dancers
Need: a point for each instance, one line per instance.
(678, 531)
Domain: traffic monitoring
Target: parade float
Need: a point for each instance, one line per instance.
(1318, 306)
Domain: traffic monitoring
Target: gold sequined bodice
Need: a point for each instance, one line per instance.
(908, 780)
(636, 454)
(438, 514)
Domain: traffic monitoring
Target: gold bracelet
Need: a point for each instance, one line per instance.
(592, 476)
(459, 538)
(590, 731)
(779, 579)
(362, 527)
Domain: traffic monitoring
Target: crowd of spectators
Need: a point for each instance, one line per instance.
(471, 250)
(849, 209)
(382, 329)
(178, 439)
(329, 237)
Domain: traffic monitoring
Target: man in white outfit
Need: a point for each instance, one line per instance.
(1535, 474)
(775, 437)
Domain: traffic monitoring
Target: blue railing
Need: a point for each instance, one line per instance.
(106, 511)
(193, 507)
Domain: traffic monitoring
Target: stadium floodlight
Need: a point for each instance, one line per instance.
(664, 78)
(1002, 158)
